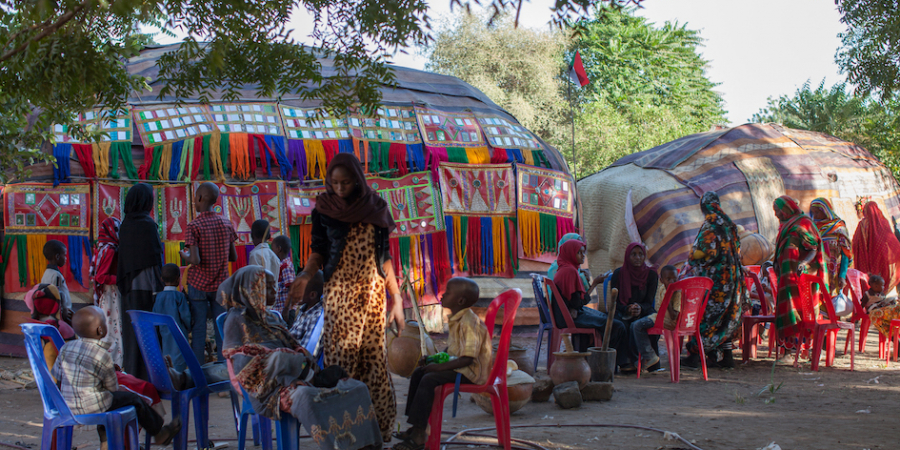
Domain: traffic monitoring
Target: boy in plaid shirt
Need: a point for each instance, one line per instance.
(210, 246)
(281, 245)
(86, 377)
(310, 311)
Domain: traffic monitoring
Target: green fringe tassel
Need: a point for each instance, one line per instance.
(224, 149)
(457, 155)
(540, 159)
(123, 149)
(294, 232)
(22, 253)
(157, 159)
(510, 250)
(548, 233)
(405, 258)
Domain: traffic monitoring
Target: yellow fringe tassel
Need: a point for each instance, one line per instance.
(215, 156)
(239, 156)
(530, 229)
(500, 256)
(165, 162)
(101, 158)
(529, 158)
(36, 261)
(315, 158)
(478, 155)
(459, 250)
(171, 251)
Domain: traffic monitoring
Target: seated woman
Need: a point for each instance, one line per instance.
(637, 284)
(278, 375)
(568, 283)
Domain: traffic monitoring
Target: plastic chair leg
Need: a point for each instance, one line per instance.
(773, 340)
(201, 420)
(537, 348)
(852, 336)
(864, 325)
(256, 427)
(435, 420)
(114, 440)
(816, 353)
(242, 431)
(287, 432)
(184, 410)
(748, 347)
(702, 357)
(64, 438)
(47, 436)
(264, 427)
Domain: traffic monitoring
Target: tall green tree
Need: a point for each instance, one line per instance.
(837, 111)
(62, 57)
(868, 54)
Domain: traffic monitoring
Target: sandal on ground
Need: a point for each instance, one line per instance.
(174, 427)
(402, 435)
(407, 444)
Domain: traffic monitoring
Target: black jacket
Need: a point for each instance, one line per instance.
(328, 239)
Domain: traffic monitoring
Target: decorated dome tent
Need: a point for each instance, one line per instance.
(749, 166)
(452, 164)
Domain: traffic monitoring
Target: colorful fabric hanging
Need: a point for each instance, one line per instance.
(515, 155)
(397, 159)
(416, 157)
(315, 159)
(331, 149)
(100, 152)
(22, 254)
(196, 160)
(540, 159)
(83, 152)
(156, 163)
(441, 268)
(276, 143)
(171, 250)
(436, 155)
(239, 157)
(35, 257)
(123, 150)
(61, 170)
(457, 155)
(266, 155)
(499, 156)
(224, 150)
(297, 159)
(345, 146)
(176, 166)
(145, 168)
(379, 159)
(212, 152)
(301, 237)
(18, 241)
(78, 245)
(478, 155)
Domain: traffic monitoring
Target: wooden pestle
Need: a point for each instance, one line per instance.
(611, 315)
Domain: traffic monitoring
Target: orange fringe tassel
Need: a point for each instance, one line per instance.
(530, 229)
(239, 156)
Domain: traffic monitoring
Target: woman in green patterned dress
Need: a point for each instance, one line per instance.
(717, 254)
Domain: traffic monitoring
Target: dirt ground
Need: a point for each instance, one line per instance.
(830, 409)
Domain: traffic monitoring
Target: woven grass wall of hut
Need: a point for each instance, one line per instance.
(748, 166)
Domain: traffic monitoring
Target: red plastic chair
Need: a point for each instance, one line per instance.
(750, 323)
(857, 283)
(694, 295)
(557, 331)
(889, 351)
(496, 382)
(818, 328)
(755, 268)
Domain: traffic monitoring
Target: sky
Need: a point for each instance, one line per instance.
(756, 48)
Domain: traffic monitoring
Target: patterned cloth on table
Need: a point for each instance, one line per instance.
(213, 235)
(353, 337)
(285, 279)
(106, 293)
(882, 313)
(339, 418)
(835, 241)
(875, 248)
(797, 232)
(305, 323)
(717, 254)
(86, 375)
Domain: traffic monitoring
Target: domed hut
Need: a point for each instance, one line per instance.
(749, 166)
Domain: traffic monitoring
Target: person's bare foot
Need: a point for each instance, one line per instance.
(179, 379)
(168, 432)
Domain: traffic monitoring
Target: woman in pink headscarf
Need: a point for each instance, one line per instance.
(568, 281)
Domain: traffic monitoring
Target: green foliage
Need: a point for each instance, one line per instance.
(517, 68)
(648, 84)
(838, 112)
(870, 45)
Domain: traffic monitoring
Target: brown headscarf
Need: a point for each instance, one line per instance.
(363, 206)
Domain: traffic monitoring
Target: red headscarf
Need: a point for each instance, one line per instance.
(567, 280)
(630, 275)
(875, 248)
(365, 205)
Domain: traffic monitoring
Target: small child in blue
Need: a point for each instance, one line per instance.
(172, 302)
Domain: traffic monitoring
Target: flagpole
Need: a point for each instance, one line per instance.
(572, 114)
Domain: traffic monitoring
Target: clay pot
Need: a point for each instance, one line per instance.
(519, 355)
(405, 350)
(518, 386)
(570, 365)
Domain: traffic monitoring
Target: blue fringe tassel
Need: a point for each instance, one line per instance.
(76, 258)
(448, 221)
(61, 172)
(345, 146)
(515, 154)
(434, 283)
(276, 143)
(415, 155)
(176, 160)
(487, 245)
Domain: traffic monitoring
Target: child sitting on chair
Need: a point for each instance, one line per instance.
(470, 353)
(171, 302)
(309, 313)
(86, 376)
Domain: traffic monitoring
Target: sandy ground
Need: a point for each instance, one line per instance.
(830, 409)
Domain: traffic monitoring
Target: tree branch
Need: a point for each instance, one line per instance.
(48, 30)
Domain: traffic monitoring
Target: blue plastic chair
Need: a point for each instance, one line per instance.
(287, 430)
(145, 324)
(546, 325)
(58, 418)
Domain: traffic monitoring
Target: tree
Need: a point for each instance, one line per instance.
(517, 68)
(836, 111)
(60, 58)
(648, 86)
(870, 46)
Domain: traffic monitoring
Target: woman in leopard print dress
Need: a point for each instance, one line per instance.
(351, 226)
